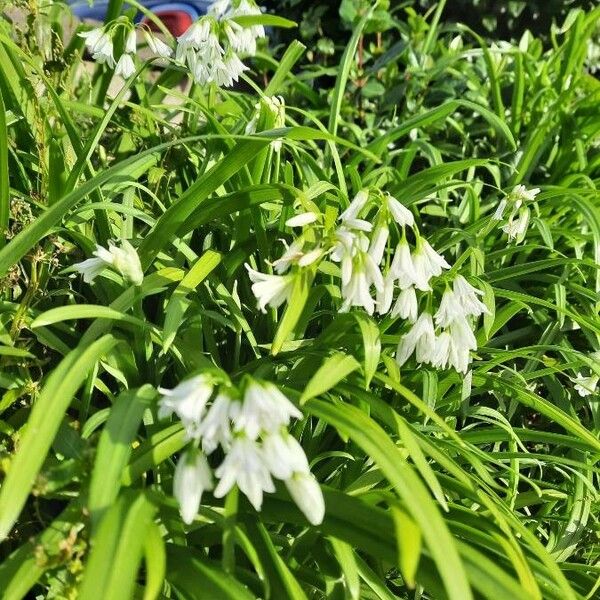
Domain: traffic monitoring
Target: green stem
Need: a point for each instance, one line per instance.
(231, 508)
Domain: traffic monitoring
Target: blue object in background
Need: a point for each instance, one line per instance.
(177, 16)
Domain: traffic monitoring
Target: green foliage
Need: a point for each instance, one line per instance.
(436, 484)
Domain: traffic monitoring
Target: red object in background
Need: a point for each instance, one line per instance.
(176, 21)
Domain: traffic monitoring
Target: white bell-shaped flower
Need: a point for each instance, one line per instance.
(521, 193)
(406, 305)
(355, 207)
(302, 219)
(191, 479)
(188, 401)
(125, 66)
(516, 228)
(124, 260)
(264, 409)
(131, 42)
(307, 494)
(399, 212)
(449, 310)
(420, 337)
(245, 466)
(271, 290)
(385, 296)
(157, 46)
(215, 427)
(467, 296)
(378, 243)
(283, 455)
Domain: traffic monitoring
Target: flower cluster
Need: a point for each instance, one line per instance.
(100, 43)
(211, 46)
(518, 220)
(381, 275)
(123, 260)
(250, 426)
(452, 345)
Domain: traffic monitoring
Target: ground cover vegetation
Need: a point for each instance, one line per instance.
(299, 321)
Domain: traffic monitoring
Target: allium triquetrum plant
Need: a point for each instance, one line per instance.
(275, 331)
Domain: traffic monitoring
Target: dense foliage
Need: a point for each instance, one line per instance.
(478, 481)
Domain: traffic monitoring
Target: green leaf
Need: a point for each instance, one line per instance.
(408, 536)
(42, 425)
(117, 549)
(293, 311)
(114, 448)
(334, 369)
(353, 423)
(186, 567)
(178, 303)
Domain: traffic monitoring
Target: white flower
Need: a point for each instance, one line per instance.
(157, 46)
(284, 456)
(92, 267)
(385, 296)
(356, 284)
(517, 228)
(219, 8)
(194, 36)
(264, 409)
(94, 38)
(406, 305)
(244, 465)
(399, 212)
(125, 260)
(215, 427)
(307, 494)
(191, 479)
(585, 386)
(466, 296)
(292, 254)
(404, 270)
(125, 67)
(522, 194)
(358, 203)
(421, 337)
(459, 357)
(378, 242)
(462, 334)
(188, 401)
(310, 257)
(241, 39)
(436, 261)
(131, 42)
(103, 52)
(226, 71)
(441, 351)
(273, 290)
(449, 309)
(302, 219)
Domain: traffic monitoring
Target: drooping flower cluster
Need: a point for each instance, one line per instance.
(520, 213)
(250, 426)
(455, 340)
(100, 43)
(211, 46)
(123, 260)
(381, 275)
